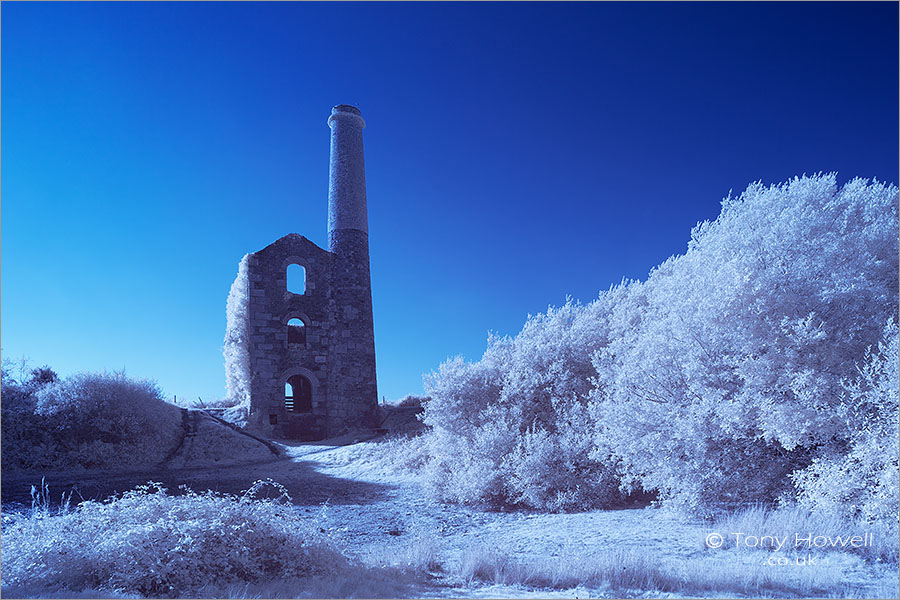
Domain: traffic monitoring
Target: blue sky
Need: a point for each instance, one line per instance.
(515, 154)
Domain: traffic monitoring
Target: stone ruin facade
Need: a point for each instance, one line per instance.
(304, 351)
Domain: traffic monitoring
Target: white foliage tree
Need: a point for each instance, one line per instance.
(861, 481)
(711, 383)
(237, 344)
(513, 428)
(724, 370)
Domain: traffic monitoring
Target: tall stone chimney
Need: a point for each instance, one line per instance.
(346, 179)
(301, 350)
(353, 338)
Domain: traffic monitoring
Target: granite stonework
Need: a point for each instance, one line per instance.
(338, 354)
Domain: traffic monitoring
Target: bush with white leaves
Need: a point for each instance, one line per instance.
(860, 480)
(711, 383)
(513, 428)
(723, 374)
(154, 544)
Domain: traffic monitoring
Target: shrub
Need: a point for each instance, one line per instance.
(711, 382)
(862, 482)
(151, 543)
(513, 429)
(21, 431)
(86, 420)
(724, 371)
(411, 401)
(18, 392)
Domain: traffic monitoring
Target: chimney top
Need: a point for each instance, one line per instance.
(345, 108)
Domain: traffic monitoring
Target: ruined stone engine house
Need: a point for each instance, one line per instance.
(303, 345)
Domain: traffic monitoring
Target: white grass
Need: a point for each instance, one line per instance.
(787, 522)
(630, 573)
(397, 454)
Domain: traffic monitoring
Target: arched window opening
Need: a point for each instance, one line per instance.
(296, 331)
(296, 279)
(298, 395)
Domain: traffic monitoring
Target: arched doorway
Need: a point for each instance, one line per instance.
(298, 394)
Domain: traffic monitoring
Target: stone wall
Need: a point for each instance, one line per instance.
(272, 359)
(338, 356)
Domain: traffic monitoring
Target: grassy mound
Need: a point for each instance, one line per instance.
(88, 420)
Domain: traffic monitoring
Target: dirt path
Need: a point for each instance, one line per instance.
(193, 465)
